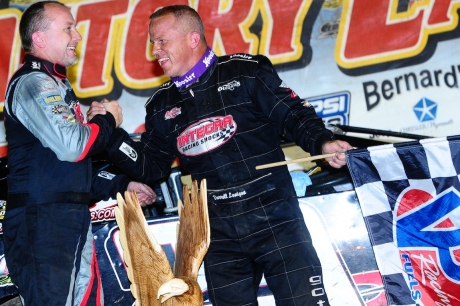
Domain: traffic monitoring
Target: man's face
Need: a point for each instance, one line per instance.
(62, 36)
(171, 46)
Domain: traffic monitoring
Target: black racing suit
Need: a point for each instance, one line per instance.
(47, 226)
(221, 127)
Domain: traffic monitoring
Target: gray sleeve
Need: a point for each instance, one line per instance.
(39, 104)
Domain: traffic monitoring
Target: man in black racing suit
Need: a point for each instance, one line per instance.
(222, 116)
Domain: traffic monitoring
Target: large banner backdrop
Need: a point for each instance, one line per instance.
(387, 64)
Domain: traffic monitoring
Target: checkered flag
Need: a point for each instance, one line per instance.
(410, 200)
(226, 133)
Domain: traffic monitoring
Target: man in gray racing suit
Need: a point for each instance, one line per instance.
(223, 116)
(47, 226)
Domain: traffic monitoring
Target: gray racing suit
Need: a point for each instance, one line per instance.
(47, 226)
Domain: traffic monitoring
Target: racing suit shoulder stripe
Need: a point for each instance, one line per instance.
(94, 131)
(163, 87)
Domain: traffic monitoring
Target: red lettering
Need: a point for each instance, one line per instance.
(440, 12)
(191, 135)
(109, 213)
(182, 140)
(227, 121)
(377, 35)
(103, 214)
(98, 20)
(10, 50)
(390, 34)
(286, 27)
(226, 23)
(200, 132)
(218, 125)
(209, 128)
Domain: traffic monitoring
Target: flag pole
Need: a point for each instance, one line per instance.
(298, 160)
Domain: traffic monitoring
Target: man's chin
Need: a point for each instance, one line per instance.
(71, 62)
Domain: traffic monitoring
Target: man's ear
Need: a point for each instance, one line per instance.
(38, 39)
(194, 38)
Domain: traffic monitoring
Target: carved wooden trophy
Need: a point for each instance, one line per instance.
(152, 280)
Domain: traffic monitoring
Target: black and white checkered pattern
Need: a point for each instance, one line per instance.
(380, 174)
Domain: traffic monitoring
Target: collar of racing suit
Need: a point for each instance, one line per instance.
(197, 71)
(37, 63)
(203, 78)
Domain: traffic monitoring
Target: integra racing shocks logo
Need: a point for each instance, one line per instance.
(206, 135)
(427, 231)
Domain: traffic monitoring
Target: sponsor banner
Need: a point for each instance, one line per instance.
(103, 211)
(338, 231)
(395, 61)
(350, 272)
(410, 199)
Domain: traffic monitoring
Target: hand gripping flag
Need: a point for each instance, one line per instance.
(410, 199)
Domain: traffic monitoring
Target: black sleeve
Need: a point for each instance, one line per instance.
(106, 185)
(295, 118)
(146, 161)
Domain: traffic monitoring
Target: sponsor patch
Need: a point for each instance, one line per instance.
(173, 113)
(129, 151)
(187, 79)
(283, 85)
(106, 175)
(46, 85)
(60, 109)
(289, 90)
(229, 86)
(70, 118)
(76, 111)
(36, 65)
(206, 135)
(244, 56)
(208, 59)
(52, 99)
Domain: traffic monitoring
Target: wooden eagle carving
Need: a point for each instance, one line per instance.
(152, 280)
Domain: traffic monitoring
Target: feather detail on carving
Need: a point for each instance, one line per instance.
(151, 277)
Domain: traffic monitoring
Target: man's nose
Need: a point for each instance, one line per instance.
(155, 48)
(77, 35)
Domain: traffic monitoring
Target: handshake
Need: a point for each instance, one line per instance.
(101, 108)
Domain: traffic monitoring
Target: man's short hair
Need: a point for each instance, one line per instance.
(34, 19)
(183, 13)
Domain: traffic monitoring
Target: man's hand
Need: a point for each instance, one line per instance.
(96, 108)
(144, 193)
(115, 109)
(339, 147)
(101, 108)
